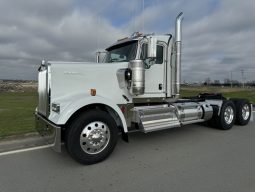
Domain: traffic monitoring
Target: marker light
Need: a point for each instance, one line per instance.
(93, 92)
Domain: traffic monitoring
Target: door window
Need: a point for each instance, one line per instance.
(159, 58)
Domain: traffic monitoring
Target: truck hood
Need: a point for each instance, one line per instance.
(77, 78)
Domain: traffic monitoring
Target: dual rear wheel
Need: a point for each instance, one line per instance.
(232, 112)
(243, 113)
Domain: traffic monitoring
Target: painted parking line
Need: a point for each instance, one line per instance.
(252, 116)
(25, 150)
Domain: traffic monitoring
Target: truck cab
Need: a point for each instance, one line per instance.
(136, 48)
(136, 87)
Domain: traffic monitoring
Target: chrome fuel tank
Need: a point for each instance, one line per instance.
(192, 111)
(189, 111)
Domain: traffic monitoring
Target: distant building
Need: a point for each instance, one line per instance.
(217, 82)
(227, 81)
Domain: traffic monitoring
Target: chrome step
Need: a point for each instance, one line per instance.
(154, 118)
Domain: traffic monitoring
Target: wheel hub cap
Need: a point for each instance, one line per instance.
(245, 112)
(229, 115)
(94, 137)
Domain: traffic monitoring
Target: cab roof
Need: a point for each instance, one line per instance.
(136, 37)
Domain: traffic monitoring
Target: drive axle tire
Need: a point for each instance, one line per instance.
(243, 112)
(92, 137)
(226, 119)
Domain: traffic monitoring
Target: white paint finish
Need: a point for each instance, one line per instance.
(156, 74)
(153, 77)
(72, 103)
(71, 83)
(25, 150)
(78, 78)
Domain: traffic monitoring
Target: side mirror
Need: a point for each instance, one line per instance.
(152, 48)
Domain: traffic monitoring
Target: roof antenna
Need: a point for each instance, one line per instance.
(97, 32)
(143, 17)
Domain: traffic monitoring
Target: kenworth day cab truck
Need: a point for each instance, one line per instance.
(136, 88)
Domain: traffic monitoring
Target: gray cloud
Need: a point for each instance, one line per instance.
(222, 41)
(218, 35)
(33, 30)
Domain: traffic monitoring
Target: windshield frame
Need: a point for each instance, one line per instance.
(117, 47)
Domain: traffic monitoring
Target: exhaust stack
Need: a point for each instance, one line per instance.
(178, 41)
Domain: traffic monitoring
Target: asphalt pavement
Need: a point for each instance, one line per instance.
(21, 142)
(192, 158)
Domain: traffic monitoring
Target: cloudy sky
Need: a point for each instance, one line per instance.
(218, 35)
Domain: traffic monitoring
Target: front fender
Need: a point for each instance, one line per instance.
(69, 109)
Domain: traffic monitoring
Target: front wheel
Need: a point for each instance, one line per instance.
(92, 137)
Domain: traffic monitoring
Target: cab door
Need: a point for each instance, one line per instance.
(155, 74)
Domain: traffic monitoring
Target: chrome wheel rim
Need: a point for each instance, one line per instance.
(94, 137)
(245, 112)
(229, 115)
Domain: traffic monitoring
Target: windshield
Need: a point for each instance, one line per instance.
(121, 53)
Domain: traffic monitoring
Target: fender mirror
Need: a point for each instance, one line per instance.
(152, 48)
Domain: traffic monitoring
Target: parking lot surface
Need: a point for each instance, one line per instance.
(192, 158)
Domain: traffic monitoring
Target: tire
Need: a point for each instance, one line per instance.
(243, 112)
(226, 119)
(91, 137)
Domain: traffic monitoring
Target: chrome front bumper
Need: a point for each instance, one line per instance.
(49, 131)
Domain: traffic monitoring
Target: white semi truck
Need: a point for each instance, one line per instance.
(136, 88)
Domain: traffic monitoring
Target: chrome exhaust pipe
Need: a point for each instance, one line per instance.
(178, 41)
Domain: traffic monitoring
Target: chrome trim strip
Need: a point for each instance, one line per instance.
(192, 121)
(48, 89)
(158, 121)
